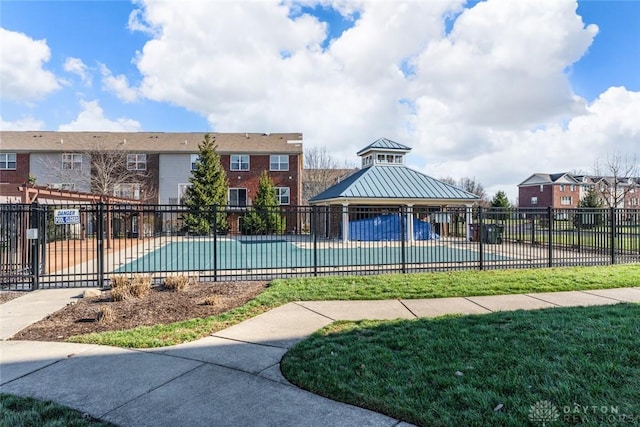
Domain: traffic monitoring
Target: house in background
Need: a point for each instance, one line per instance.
(565, 190)
(384, 184)
(157, 165)
(557, 190)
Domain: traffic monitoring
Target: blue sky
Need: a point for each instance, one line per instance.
(466, 84)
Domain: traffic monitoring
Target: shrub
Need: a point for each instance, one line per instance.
(120, 293)
(176, 283)
(119, 281)
(105, 314)
(212, 300)
(123, 288)
(140, 286)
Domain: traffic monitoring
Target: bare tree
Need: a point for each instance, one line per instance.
(321, 171)
(470, 185)
(616, 177)
(113, 171)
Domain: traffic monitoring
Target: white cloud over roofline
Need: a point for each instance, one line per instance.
(22, 72)
(92, 118)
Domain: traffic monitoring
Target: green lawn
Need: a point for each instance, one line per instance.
(22, 411)
(499, 369)
(427, 285)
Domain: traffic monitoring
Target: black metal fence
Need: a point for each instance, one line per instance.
(46, 246)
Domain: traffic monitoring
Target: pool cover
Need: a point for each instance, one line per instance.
(387, 228)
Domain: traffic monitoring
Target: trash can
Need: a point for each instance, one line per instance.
(474, 231)
(492, 234)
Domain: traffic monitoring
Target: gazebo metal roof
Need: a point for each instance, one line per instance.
(384, 144)
(393, 182)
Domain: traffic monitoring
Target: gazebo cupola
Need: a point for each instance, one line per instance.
(383, 152)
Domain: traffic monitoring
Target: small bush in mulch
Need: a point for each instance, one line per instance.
(105, 314)
(176, 283)
(123, 288)
(211, 300)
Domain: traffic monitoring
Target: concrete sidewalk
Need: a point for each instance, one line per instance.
(228, 379)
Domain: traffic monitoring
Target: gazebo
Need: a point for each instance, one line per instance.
(385, 184)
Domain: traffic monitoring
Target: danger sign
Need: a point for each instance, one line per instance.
(66, 216)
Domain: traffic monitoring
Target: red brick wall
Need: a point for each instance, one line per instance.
(551, 196)
(525, 194)
(258, 163)
(21, 174)
(558, 195)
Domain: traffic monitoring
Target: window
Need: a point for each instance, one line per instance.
(565, 200)
(194, 159)
(561, 187)
(534, 200)
(389, 159)
(634, 201)
(136, 162)
(72, 161)
(239, 162)
(367, 161)
(573, 187)
(7, 161)
(237, 197)
(279, 162)
(283, 195)
(127, 191)
(542, 188)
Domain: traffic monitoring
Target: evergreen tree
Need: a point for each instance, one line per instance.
(590, 215)
(591, 199)
(207, 192)
(500, 200)
(265, 218)
(500, 203)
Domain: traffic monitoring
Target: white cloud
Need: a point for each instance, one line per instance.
(77, 67)
(21, 67)
(486, 97)
(609, 125)
(92, 118)
(25, 123)
(119, 85)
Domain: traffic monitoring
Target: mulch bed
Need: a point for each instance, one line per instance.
(161, 306)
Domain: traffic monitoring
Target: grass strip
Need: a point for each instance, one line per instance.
(562, 366)
(380, 287)
(25, 411)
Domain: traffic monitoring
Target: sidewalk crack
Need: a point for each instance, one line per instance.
(478, 304)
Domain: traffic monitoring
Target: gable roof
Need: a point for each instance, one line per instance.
(393, 182)
(149, 142)
(549, 178)
(384, 144)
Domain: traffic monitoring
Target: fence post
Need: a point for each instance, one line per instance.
(550, 235)
(613, 235)
(403, 239)
(314, 230)
(215, 243)
(100, 242)
(34, 223)
(480, 237)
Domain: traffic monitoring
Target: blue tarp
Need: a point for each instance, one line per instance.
(387, 227)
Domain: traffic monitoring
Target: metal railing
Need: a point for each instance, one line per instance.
(253, 244)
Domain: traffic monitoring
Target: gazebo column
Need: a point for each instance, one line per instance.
(410, 234)
(468, 218)
(345, 222)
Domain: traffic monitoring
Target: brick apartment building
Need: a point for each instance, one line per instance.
(158, 164)
(565, 190)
